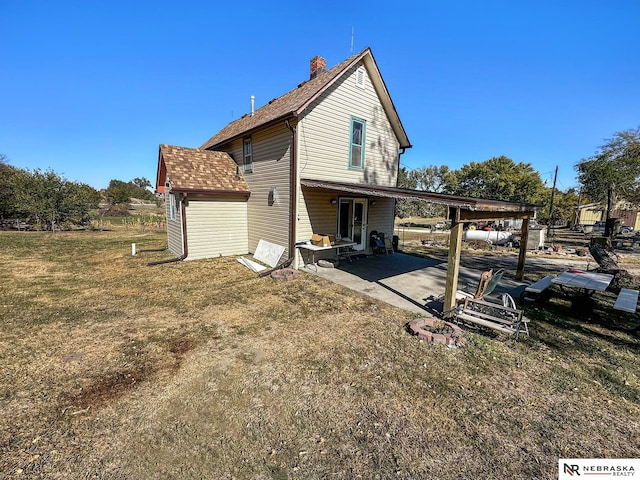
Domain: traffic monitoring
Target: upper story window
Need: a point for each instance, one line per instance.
(247, 155)
(356, 150)
(360, 77)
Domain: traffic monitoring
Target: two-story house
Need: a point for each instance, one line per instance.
(304, 163)
(323, 158)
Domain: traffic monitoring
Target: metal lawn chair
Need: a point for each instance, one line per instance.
(487, 284)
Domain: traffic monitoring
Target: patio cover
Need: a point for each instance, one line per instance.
(461, 209)
(470, 204)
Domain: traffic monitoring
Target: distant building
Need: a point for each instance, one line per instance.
(591, 213)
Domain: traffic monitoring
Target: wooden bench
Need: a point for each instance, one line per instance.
(537, 288)
(627, 300)
(494, 316)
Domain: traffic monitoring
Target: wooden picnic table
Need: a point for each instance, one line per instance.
(586, 282)
(627, 300)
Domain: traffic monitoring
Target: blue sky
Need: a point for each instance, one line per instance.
(89, 89)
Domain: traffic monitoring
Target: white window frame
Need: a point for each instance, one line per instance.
(360, 164)
(172, 206)
(247, 155)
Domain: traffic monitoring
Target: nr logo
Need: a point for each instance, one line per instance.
(571, 469)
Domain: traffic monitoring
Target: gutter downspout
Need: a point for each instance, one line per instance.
(185, 249)
(183, 213)
(293, 192)
(400, 153)
(395, 200)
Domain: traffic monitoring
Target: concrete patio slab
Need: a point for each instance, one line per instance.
(412, 283)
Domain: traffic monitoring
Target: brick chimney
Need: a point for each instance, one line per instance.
(318, 66)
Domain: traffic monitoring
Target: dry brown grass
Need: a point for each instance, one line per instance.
(111, 369)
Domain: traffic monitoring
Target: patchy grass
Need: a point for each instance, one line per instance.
(111, 369)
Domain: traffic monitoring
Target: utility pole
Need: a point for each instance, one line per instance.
(577, 216)
(553, 192)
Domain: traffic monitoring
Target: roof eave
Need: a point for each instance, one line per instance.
(251, 131)
(367, 56)
(327, 85)
(206, 191)
(159, 169)
(385, 98)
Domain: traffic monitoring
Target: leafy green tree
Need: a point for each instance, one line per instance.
(39, 198)
(404, 180)
(142, 183)
(564, 207)
(498, 178)
(405, 208)
(122, 192)
(49, 202)
(613, 172)
(118, 192)
(78, 200)
(10, 177)
(432, 179)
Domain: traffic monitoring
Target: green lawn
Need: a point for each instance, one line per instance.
(112, 369)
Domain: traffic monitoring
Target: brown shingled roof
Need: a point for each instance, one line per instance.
(287, 105)
(191, 169)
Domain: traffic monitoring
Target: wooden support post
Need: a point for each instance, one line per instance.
(524, 237)
(453, 261)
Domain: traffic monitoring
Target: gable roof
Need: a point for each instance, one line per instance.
(294, 102)
(196, 170)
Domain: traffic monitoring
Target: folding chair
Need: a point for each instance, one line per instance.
(388, 245)
(376, 241)
(492, 283)
(483, 284)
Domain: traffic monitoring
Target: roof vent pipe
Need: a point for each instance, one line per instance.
(253, 105)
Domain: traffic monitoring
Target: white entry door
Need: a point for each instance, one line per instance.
(352, 221)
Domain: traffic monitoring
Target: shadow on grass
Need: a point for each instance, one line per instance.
(593, 326)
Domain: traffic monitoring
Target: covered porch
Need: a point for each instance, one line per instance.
(320, 193)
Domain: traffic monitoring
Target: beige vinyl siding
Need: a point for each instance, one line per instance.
(174, 227)
(271, 159)
(324, 142)
(317, 214)
(381, 215)
(216, 226)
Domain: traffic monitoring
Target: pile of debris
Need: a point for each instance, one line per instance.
(605, 257)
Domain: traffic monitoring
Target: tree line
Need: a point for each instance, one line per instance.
(612, 174)
(45, 200)
(498, 178)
